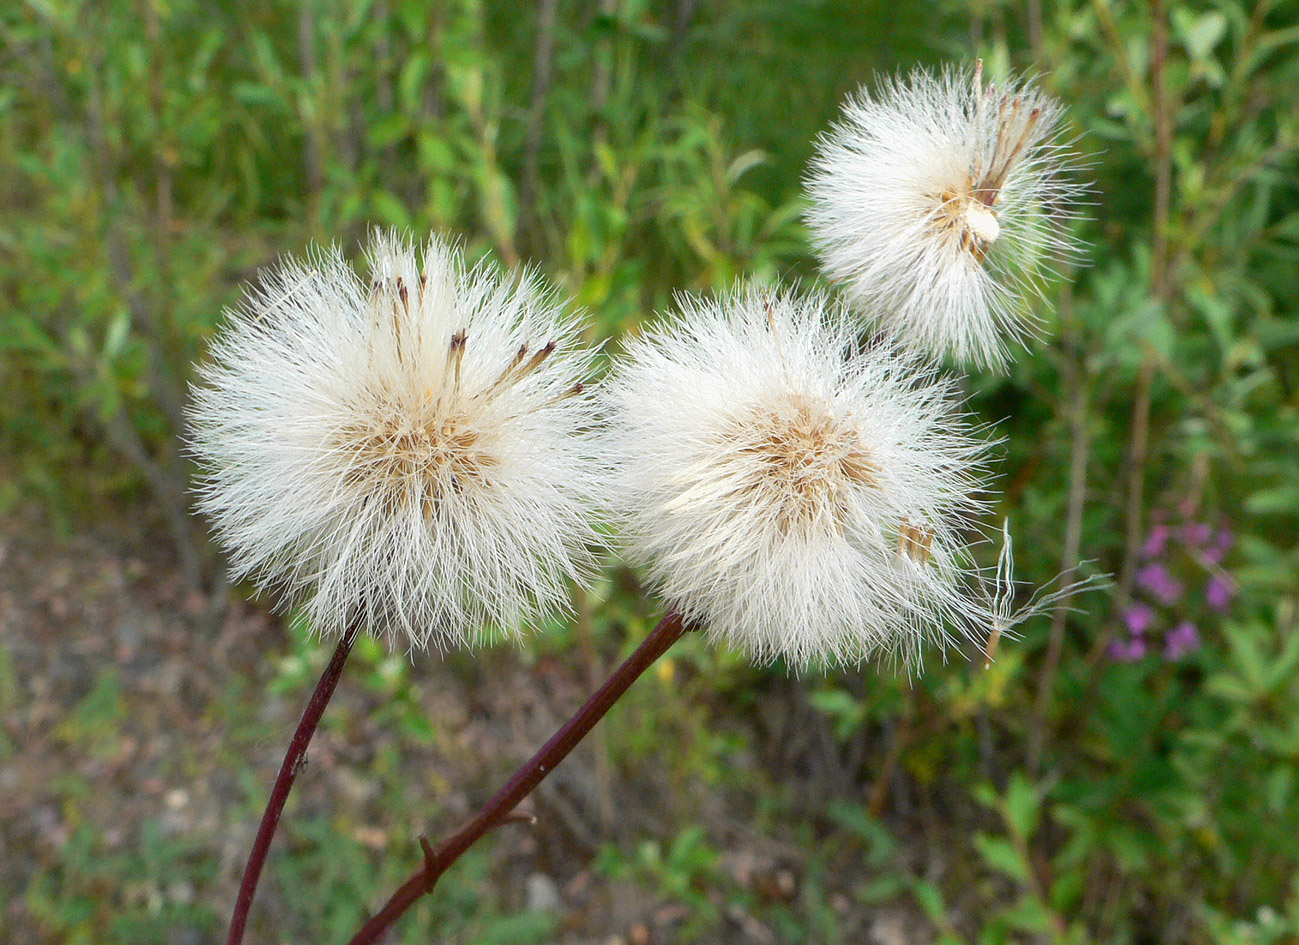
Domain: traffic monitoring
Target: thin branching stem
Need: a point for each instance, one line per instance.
(495, 812)
(1162, 288)
(295, 759)
(1075, 382)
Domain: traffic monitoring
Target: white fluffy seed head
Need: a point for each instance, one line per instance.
(408, 454)
(798, 496)
(941, 204)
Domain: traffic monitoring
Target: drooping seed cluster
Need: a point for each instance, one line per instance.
(941, 204)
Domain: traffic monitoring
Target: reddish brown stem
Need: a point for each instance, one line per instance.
(294, 761)
(438, 859)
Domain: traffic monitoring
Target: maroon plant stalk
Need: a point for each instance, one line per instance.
(294, 761)
(497, 810)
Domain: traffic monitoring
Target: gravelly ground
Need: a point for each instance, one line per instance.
(128, 711)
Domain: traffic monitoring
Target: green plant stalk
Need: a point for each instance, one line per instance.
(497, 811)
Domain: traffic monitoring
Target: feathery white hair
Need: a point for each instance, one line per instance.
(942, 204)
(409, 455)
(798, 496)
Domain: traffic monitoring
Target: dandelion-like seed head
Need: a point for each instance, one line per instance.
(800, 497)
(409, 454)
(942, 203)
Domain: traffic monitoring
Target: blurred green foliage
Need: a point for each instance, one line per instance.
(154, 154)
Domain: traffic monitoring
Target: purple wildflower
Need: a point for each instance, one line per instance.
(1218, 592)
(1181, 640)
(1127, 651)
(1156, 579)
(1138, 618)
(1156, 541)
(1196, 534)
(1217, 550)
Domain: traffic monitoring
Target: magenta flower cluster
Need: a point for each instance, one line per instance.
(1175, 560)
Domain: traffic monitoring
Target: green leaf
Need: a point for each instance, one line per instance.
(1029, 915)
(1022, 806)
(1199, 34)
(389, 129)
(116, 335)
(1001, 856)
(930, 900)
(389, 209)
(857, 820)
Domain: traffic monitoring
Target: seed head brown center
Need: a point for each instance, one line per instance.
(806, 460)
(400, 460)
